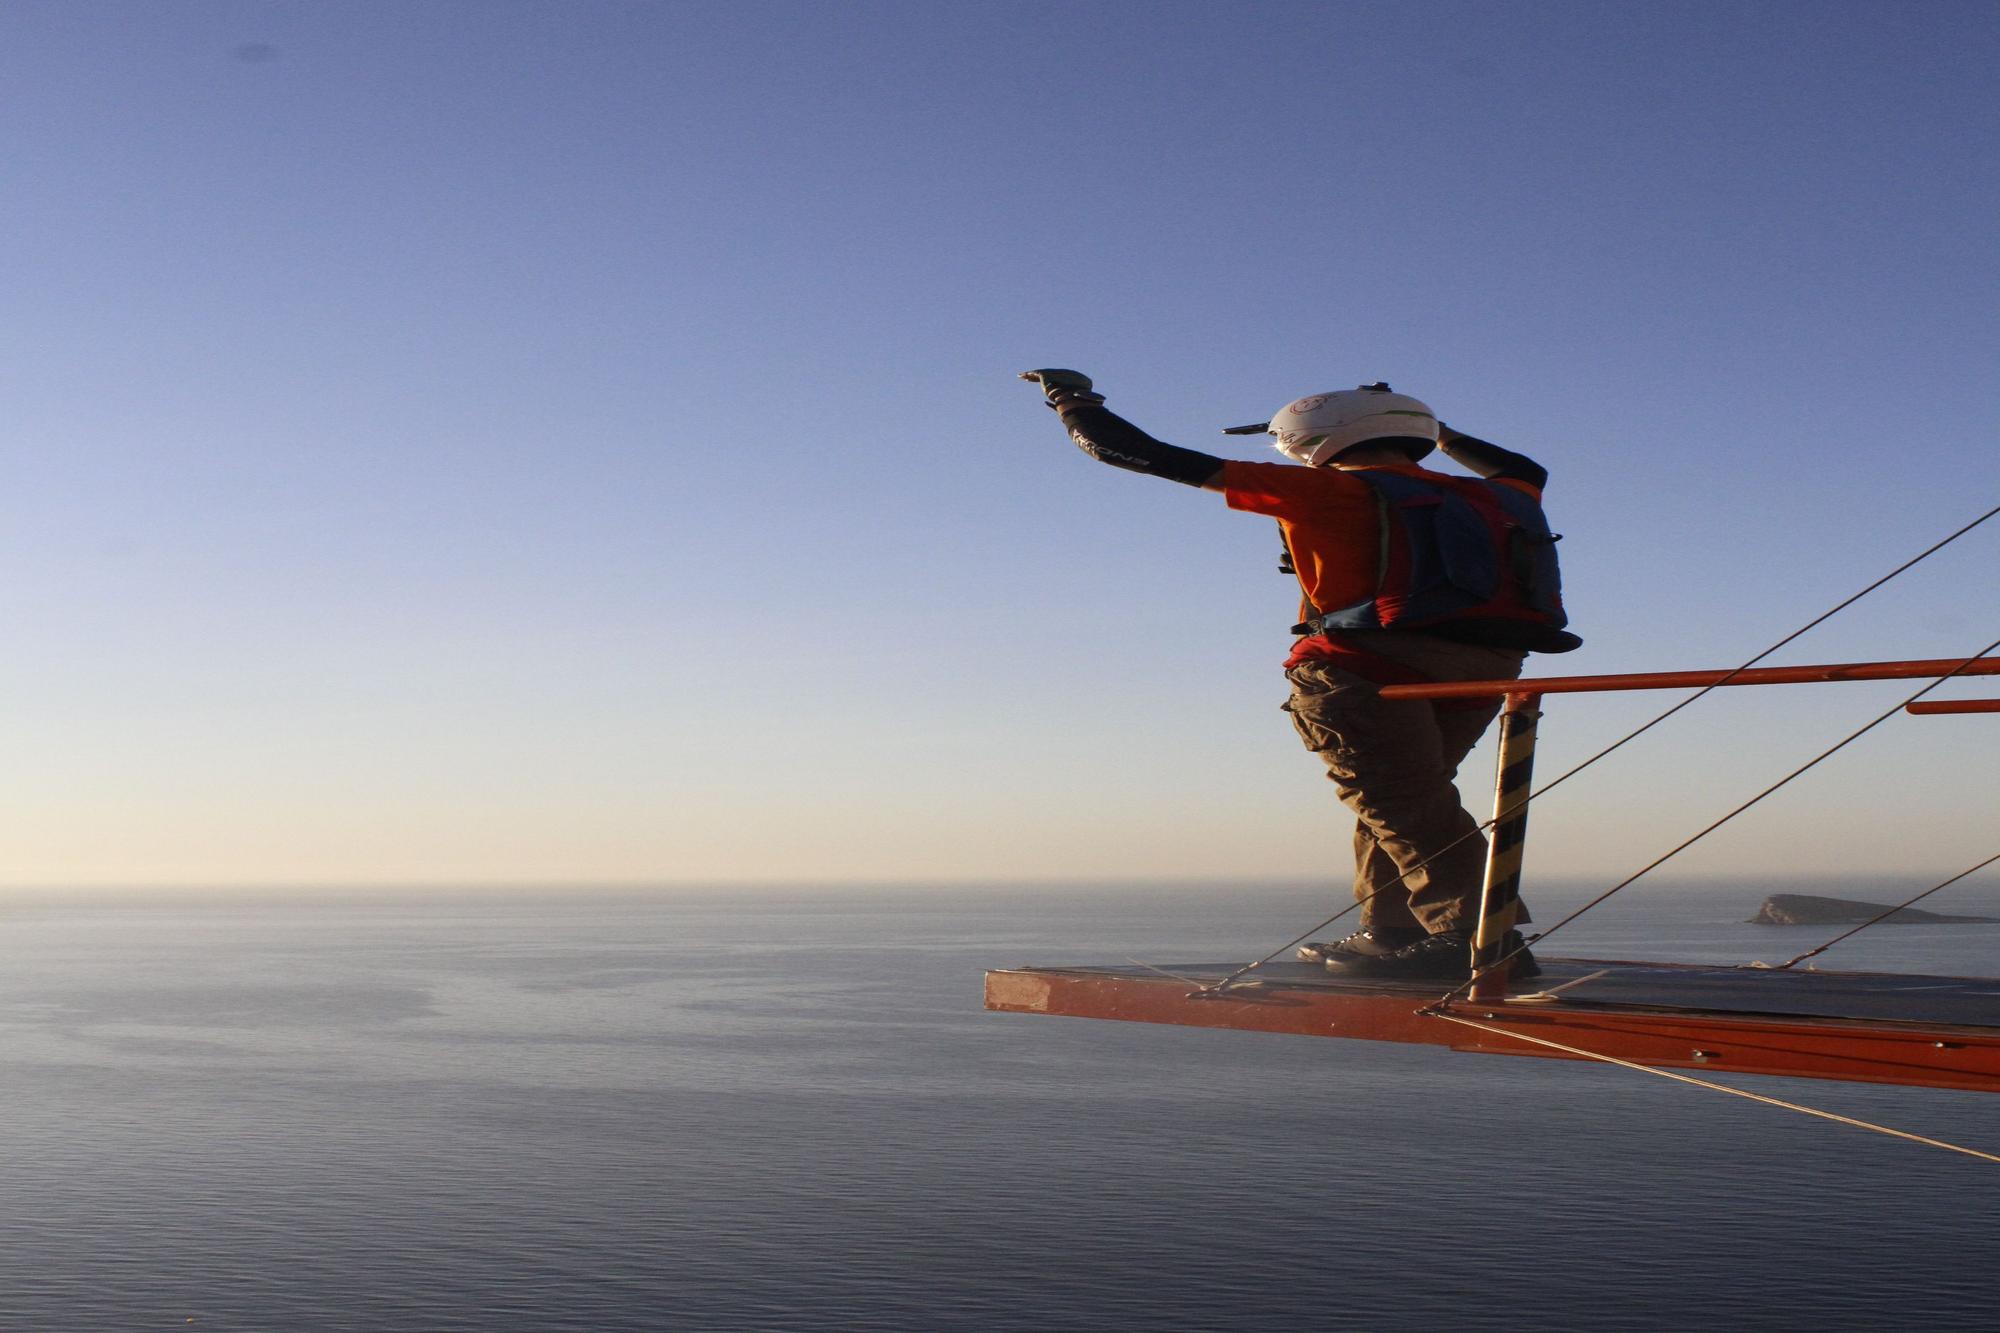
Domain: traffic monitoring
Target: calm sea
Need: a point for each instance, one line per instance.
(783, 1112)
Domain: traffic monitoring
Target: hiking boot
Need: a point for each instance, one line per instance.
(1373, 943)
(1446, 956)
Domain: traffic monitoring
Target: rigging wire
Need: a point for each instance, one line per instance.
(1217, 988)
(1734, 672)
(1715, 1087)
(1686, 843)
(1885, 915)
(1136, 962)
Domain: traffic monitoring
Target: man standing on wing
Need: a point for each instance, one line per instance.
(1408, 575)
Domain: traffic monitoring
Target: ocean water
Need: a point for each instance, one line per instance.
(779, 1112)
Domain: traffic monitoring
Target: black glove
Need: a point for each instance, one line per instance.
(1065, 389)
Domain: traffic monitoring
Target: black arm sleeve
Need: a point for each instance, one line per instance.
(1510, 465)
(1110, 438)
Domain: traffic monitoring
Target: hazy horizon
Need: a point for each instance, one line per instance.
(1177, 891)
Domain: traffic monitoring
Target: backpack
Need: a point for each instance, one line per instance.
(1464, 558)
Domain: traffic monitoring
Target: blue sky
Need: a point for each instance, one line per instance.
(578, 442)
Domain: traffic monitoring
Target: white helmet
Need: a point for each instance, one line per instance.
(1320, 427)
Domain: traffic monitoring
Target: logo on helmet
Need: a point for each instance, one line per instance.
(1308, 404)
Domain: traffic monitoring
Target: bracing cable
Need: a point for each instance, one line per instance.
(1716, 1087)
(1688, 842)
(1734, 672)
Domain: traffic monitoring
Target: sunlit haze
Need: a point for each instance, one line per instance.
(551, 443)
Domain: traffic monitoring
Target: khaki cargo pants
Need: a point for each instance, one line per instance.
(1395, 765)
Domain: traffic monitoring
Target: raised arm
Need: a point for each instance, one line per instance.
(1109, 438)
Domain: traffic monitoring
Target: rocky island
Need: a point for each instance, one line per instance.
(1803, 909)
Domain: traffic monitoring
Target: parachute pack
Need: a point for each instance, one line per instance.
(1462, 557)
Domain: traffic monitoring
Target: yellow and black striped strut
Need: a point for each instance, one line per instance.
(1500, 897)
